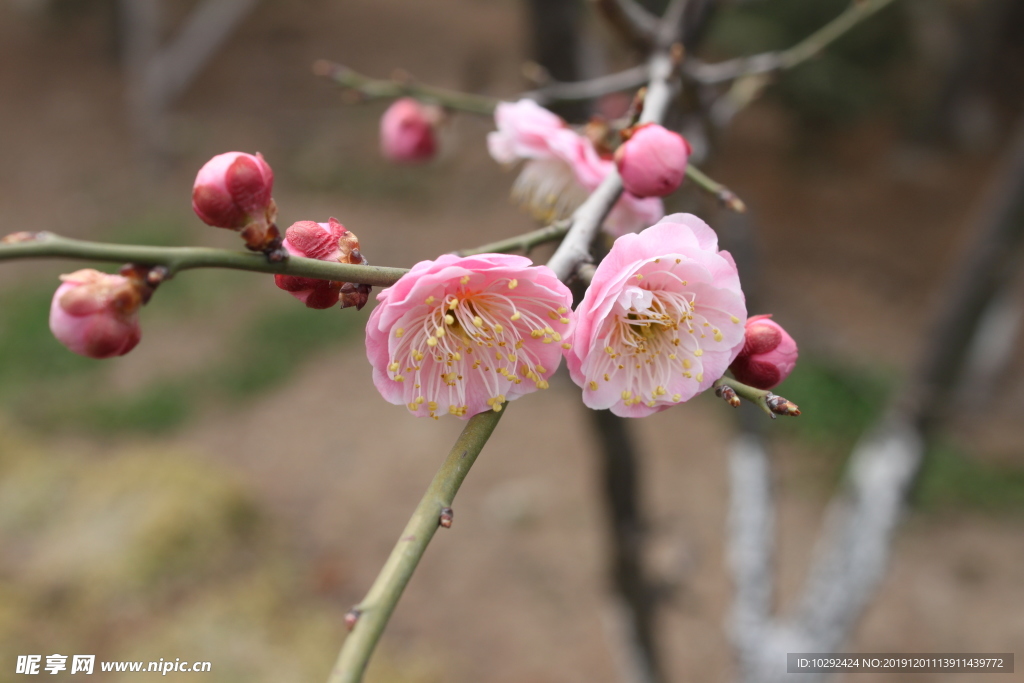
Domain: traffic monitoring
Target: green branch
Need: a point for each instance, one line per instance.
(858, 11)
(377, 88)
(524, 242)
(371, 615)
(729, 389)
(722, 193)
(175, 259)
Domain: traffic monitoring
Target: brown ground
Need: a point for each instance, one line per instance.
(514, 592)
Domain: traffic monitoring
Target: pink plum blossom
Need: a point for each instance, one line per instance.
(326, 242)
(652, 161)
(661, 320)
(407, 131)
(561, 167)
(768, 354)
(465, 335)
(95, 314)
(233, 189)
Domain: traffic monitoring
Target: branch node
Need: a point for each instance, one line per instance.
(447, 517)
(156, 275)
(351, 617)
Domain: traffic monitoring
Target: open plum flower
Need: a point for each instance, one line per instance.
(561, 167)
(465, 335)
(661, 321)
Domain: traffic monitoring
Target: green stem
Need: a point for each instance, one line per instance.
(766, 62)
(373, 612)
(726, 196)
(524, 242)
(756, 396)
(377, 88)
(770, 403)
(858, 11)
(47, 245)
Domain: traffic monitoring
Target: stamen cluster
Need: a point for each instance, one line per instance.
(466, 335)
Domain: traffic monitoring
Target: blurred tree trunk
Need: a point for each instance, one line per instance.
(555, 36)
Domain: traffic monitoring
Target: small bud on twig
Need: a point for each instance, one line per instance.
(447, 516)
(351, 617)
(781, 406)
(727, 393)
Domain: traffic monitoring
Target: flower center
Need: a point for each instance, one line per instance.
(654, 335)
(472, 341)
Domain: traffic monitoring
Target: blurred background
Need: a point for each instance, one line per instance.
(230, 488)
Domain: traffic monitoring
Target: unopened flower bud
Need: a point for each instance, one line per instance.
(652, 161)
(407, 131)
(232, 191)
(768, 356)
(97, 315)
(326, 242)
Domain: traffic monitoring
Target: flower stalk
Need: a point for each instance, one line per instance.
(371, 615)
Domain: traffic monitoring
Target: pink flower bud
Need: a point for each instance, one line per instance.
(407, 131)
(327, 242)
(652, 161)
(232, 190)
(95, 314)
(768, 356)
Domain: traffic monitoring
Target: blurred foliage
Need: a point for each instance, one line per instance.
(841, 401)
(847, 81)
(276, 342)
(952, 478)
(838, 401)
(144, 554)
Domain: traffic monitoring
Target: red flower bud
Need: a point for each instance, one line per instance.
(768, 356)
(233, 190)
(327, 242)
(407, 131)
(652, 162)
(95, 314)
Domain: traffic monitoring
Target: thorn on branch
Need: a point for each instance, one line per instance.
(351, 617)
(728, 394)
(447, 517)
